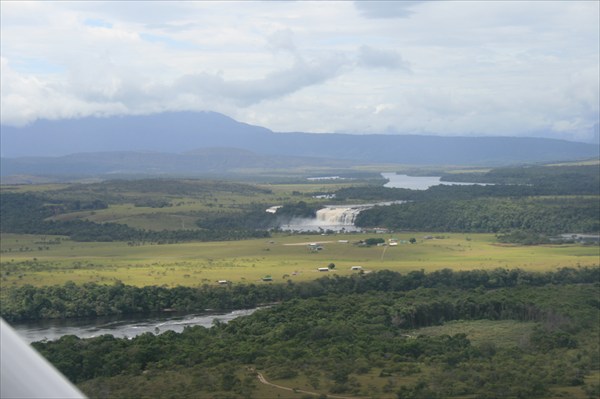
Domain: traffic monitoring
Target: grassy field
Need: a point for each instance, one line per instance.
(40, 260)
(503, 333)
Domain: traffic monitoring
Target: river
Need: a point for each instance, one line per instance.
(121, 326)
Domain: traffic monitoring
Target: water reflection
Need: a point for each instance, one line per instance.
(418, 182)
(119, 326)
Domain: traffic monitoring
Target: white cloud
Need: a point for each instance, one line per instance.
(494, 68)
(272, 86)
(387, 9)
(26, 98)
(376, 58)
(282, 40)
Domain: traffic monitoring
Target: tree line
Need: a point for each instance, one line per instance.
(547, 180)
(489, 215)
(91, 299)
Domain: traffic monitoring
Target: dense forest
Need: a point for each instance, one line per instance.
(361, 335)
(548, 216)
(90, 299)
(560, 179)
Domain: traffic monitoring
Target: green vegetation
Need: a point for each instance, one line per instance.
(533, 202)
(373, 241)
(542, 215)
(299, 210)
(361, 336)
(40, 260)
(558, 180)
(457, 307)
(542, 200)
(29, 214)
(89, 300)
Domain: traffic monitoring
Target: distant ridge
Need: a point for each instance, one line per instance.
(178, 132)
(165, 132)
(217, 162)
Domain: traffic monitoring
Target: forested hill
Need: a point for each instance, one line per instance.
(179, 132)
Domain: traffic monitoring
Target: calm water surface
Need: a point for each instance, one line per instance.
(417, 182)
(119, 327)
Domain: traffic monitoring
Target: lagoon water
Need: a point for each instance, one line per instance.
(416, 182)
(119, 326)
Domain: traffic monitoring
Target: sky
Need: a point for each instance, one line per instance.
(461, 68)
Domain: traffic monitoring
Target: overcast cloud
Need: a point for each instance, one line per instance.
(441, 67)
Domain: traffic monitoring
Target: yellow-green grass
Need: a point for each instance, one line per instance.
(309, 187)
(371, 384)
(502, 333)
(575, 392)
(31, 260)
(167, 218)
(25, 188)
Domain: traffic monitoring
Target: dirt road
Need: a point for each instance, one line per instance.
(263, 380)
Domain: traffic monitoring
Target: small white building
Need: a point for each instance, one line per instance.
(356, 268)
(323, 269)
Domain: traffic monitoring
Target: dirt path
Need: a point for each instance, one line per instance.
(307, 243)
(263, 380)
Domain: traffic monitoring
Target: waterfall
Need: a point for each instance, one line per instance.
(344, 216)
(332, 217)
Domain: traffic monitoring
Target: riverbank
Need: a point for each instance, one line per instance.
(121, 326)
